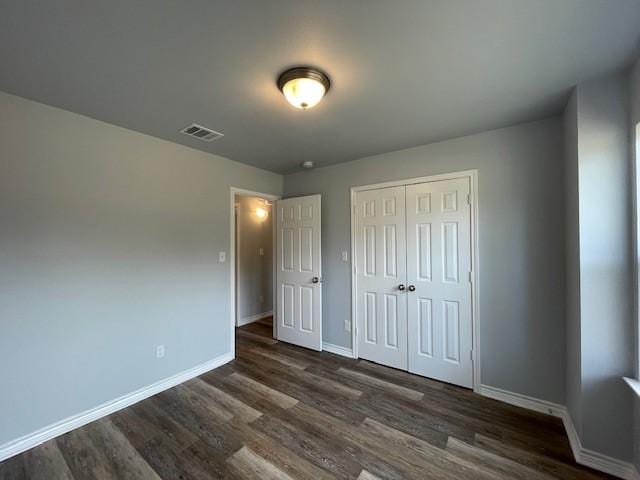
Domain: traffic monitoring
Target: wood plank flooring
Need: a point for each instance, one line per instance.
(282, 412)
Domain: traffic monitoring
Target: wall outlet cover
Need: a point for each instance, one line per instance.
(347, 325)
(160, 351)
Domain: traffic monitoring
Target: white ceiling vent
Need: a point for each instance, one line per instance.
(201, 133)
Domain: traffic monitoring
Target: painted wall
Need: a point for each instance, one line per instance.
(634, 125)
(605, 271)
(522, 264)
(572, 239)
(255, 271)
(603, 219)
(109, 246)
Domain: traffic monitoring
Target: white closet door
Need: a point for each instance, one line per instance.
(380, 272)
(299, 272)
(438, 267)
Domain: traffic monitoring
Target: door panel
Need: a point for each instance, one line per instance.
(299, 299)
(439, 266)
(381, 268)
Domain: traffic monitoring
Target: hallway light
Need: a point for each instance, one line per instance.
(261, 213)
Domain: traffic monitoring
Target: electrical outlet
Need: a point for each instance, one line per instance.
(345, 256)
(222, 257)
(261, 251)
(347, 325)
(160, 351)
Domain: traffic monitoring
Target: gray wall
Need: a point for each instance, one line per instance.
(109, 245)
(634, 83)
(255, 271)
(572, 248)
(521, 244)
(603, 219)
(605, 271)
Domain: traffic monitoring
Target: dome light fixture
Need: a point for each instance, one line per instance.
(303, 87)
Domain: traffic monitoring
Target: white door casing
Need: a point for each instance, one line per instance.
(381, 276)
(439, 310)
(299, 272)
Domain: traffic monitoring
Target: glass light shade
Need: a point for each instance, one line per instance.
(303, 87)
(303, 92)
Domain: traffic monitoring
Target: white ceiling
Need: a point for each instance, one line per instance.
(403, 72)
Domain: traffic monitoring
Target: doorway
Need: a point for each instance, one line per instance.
(415, 276)
(276, 268)
(252, 254)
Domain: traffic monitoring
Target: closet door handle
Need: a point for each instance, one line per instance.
(412, 288)
(401, 287)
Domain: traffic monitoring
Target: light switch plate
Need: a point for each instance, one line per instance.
(345, 256)
(222, 257)
(261, 251)
(347, 325)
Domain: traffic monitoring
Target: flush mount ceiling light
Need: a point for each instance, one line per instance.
(303, 87)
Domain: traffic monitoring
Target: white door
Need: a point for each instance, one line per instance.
(439, 269)
(299, 272)
(381, 303)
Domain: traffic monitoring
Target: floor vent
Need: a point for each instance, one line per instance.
(201, 133)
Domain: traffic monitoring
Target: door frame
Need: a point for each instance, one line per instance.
(472, 175)
(233, 191)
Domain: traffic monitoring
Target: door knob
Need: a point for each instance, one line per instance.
(315, 280)
(412, 288)
(401, 287)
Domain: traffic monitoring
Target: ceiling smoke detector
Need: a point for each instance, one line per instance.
(201, 133)
(308, 164)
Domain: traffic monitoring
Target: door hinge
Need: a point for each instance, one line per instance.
(472, 356)
(469, 199)
(470, 277)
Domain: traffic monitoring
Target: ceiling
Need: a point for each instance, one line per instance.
(403, 72)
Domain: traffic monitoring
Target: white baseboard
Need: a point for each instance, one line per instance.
(254, 318)
(523, 401)
(337, 349)
(34, 439)
(583, 456)
(595, 460)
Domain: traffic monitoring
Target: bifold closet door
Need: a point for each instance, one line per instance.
(381, 303)
(439, 273)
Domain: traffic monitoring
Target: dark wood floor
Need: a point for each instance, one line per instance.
(280, 412)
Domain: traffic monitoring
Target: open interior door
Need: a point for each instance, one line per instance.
(299, 272)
